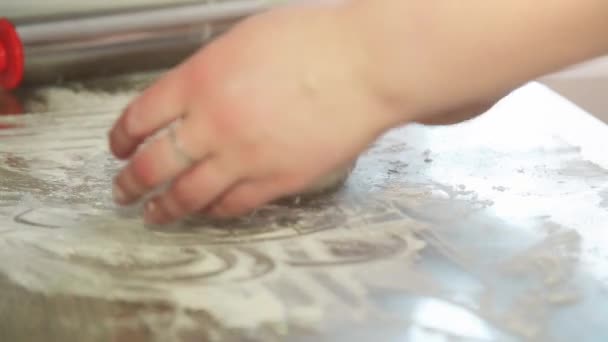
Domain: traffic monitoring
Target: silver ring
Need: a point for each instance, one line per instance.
(177, 147)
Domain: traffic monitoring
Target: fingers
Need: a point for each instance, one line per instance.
(166, 157)
(191, 192)
(159, 105)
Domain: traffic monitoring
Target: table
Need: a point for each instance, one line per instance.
(491, 230)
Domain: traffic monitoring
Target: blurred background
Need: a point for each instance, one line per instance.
(585, 84)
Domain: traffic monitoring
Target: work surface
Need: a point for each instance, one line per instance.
(492, 230)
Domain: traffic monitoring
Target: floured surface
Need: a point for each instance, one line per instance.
(487, 231)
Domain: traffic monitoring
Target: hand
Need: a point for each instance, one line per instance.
(265, 110)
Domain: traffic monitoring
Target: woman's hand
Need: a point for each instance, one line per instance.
(264, 111)
(293, 94)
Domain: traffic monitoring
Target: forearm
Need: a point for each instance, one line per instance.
(427, 56)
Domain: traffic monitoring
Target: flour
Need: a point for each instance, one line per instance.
(399, 232)
(107, 94)
(114, 260)
(61, 99)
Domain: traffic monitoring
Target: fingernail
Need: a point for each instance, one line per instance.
(152, 214)
(118, 194)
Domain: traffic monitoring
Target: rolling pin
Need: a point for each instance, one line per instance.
(68, 48)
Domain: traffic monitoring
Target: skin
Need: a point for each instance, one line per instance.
(262, 104)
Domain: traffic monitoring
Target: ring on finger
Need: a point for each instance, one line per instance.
(178, 148)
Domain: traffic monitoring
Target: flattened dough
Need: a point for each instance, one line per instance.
(330, 182)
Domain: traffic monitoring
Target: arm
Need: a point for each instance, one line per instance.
(447, 54)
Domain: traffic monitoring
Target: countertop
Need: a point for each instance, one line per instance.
(491, 230)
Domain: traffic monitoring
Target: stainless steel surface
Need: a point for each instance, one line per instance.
(25, 10)
(492, 230)
(84, 46)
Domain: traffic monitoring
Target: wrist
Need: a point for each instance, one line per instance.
(394, 49)
(367, 73)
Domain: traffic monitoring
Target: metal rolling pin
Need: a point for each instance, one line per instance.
(112, 43)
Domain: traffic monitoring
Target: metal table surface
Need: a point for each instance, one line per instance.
(491, 230)
(28, 9)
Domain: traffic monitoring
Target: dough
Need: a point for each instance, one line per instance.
(330, 182)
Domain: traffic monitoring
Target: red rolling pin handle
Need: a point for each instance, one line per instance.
(11, 56)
